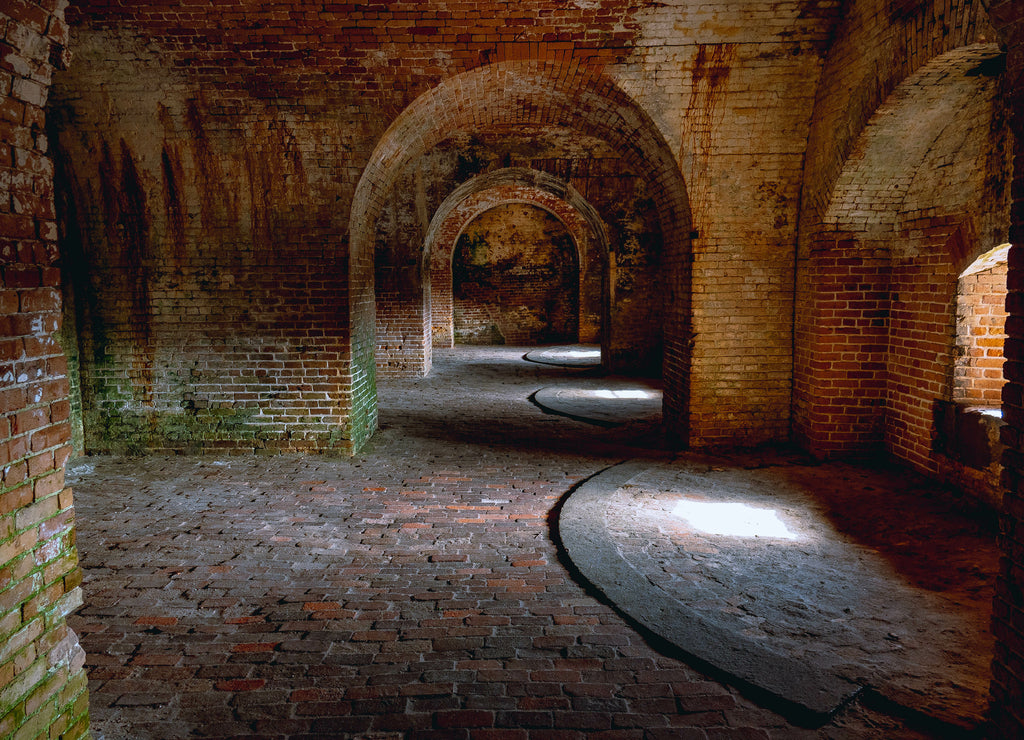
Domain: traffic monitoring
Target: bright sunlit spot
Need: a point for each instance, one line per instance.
(732, 519)
(630, 394)
(583, 354)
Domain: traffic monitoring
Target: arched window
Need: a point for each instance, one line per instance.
(980, 330)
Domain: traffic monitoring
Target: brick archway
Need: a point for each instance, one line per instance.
(877, 280)
(466, 203)
(863, 76)
(869, 194)
(527, 93)
(516, 186)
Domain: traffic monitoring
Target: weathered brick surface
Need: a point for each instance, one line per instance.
(516, 279)
(882, 200)
(238, 340)
(42, 681)
(878, 45)
(580, 219)
(968, 432)
(806, 181)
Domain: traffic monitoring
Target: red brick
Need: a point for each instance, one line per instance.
(40, 299)
(241, 684)
(16, 226)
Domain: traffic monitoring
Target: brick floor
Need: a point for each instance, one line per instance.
(414, 591)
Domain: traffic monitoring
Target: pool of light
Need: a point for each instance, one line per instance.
(732, 519)
(623, 394)
(582, 354)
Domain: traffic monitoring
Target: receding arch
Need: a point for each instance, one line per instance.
(528, 93)
(516, 278)
(516, 185)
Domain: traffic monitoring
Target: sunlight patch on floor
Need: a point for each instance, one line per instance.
(733, 519)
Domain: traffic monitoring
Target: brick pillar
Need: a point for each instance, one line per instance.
(42, 680)
(1008, 620)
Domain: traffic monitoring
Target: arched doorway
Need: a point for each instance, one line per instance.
(523, 97)
(546, 193)
(981, 330)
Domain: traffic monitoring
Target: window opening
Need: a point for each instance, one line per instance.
(980, 331)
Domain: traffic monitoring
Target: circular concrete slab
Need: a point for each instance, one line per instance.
(572, 355)
(605, 402)
(744, 571)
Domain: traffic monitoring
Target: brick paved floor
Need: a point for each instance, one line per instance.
(414, 591)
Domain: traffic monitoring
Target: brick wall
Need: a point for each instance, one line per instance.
(841, 347)
(850, 206)
(967, 430)
(920, 193)
(403, 298)
(878, 45)
(742, 159)
(920, 357)
(211, 293)
(1008, 621)
(954, 208)
(404, 342)
(42, 681)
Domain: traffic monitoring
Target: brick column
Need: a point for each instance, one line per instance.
(42, 681)
(1008, 620)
